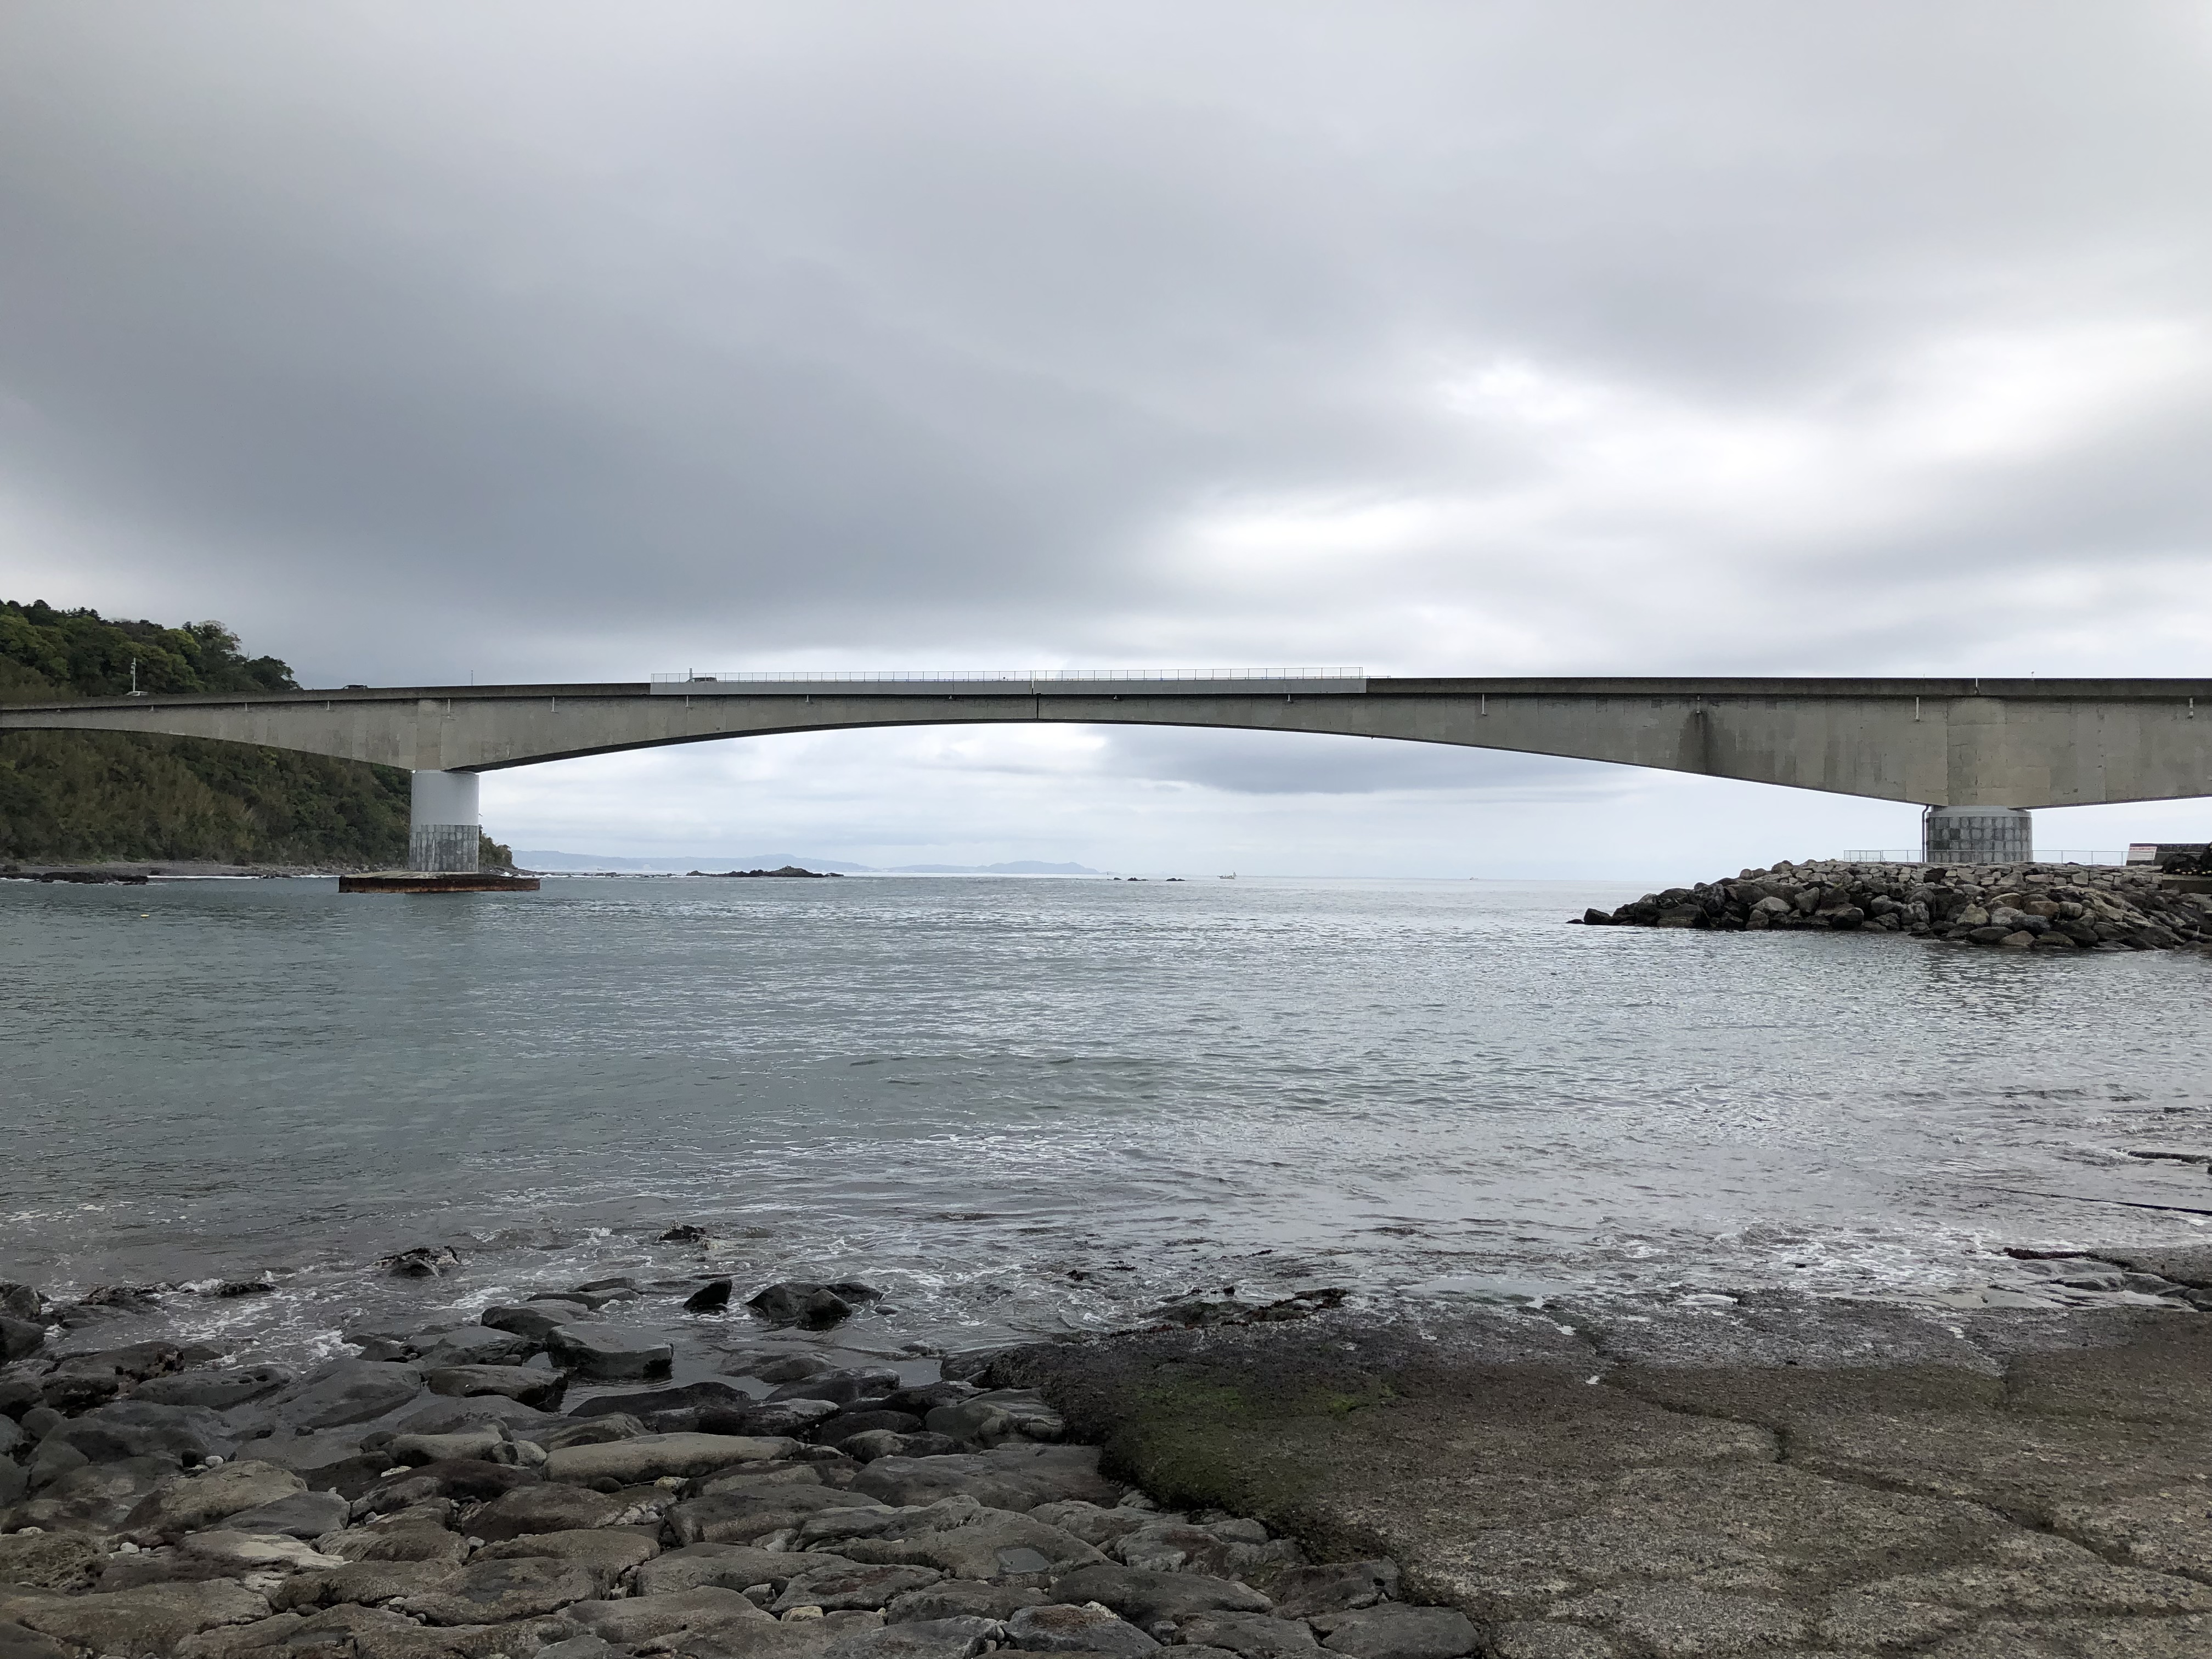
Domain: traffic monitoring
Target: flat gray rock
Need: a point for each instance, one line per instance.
(1332, 1586)
(93, 1498)
(605, 1552)
(739, 1518)
(647, 1457)
(1144, 1598)
(635, 1619)
(492, 1592)
(1395, 1631)
(544, 1508)
(993, 1544)
(351, 1391)
(302, 1515)
(137, 1428)
(1014, 1477)
(528, 1383)
(216, 1390)
(21, 1642)
(151, 1619)
(963, 1598)
(1069, 1627)
(535, 1320)
(609, 1353)
(730, 1566)
(1251, 1635)
(851, 1586)
(919, 1638)
(480, 1345)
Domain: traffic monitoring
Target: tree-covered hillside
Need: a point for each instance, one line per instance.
(70, 796)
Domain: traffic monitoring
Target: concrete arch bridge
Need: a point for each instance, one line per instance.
(1979, 753)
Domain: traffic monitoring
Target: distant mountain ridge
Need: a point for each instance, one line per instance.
(534, 859)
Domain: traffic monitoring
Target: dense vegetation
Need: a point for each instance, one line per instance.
(71, 796)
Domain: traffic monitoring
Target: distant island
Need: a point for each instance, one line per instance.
(693, 864)
(94, 797)
(787, 869)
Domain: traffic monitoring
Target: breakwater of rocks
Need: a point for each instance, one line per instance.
(534, 1483)
(2053, 906)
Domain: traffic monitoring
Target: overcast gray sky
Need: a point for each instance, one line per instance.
(543, 341)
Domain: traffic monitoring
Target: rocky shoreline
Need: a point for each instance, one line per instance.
(2052, 907)
(1281, 1481)
(431, 1499)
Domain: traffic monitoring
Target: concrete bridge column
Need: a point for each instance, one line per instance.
(443, 824)
(1977, 835)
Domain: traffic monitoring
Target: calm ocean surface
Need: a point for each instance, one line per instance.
(1034, 1105)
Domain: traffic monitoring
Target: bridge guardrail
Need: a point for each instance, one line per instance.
(1018, 682)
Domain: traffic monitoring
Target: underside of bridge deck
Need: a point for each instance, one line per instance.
(1944, 743)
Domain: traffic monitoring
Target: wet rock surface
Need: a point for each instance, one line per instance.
(2057, 908)
(1719, 1475)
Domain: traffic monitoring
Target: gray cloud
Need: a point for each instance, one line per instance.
(1433, 338)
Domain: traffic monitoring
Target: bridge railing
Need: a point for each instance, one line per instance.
(1914, 855)
(986, 682)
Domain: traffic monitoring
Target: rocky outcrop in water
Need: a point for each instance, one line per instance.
(2057, 906)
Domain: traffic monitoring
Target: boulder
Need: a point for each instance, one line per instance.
(841, 1388)
(527, 1384)
(480, 1345)
(1337, 1587)
(536, 1319)
(711, 1297)
(605, 1552)
(1018, 1477)
(547, 1508)
(136, 1428)
(642, 1403)
(919, 1638)
(738, 1517)
(91, 1497)
(421, 1261)
(1394, 1630)
(478, 1440)
(1065, 1627)
(351, 1391)
(995, 1544)
(150, 1620)
(637, 1618)
(648, 1457)
(216, 1390)
(189, 1503)
(490, 1592)
(852, 1586)
(53, 1560)
(398, 1538)
(1251, 1635)
(21, 1642)
(809, 1306)
(608, 1353)
(732, 1566)
(1144, 1598)
(963, 1598)
(302, 1515)
(466, 1479)
(20, 1339)
(781, 1416)
(452, 1414)
(234, 1553)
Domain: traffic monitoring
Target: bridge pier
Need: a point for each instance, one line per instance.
(443, 824)
(1977, 835)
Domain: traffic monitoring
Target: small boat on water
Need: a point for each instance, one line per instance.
(1231, 876)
